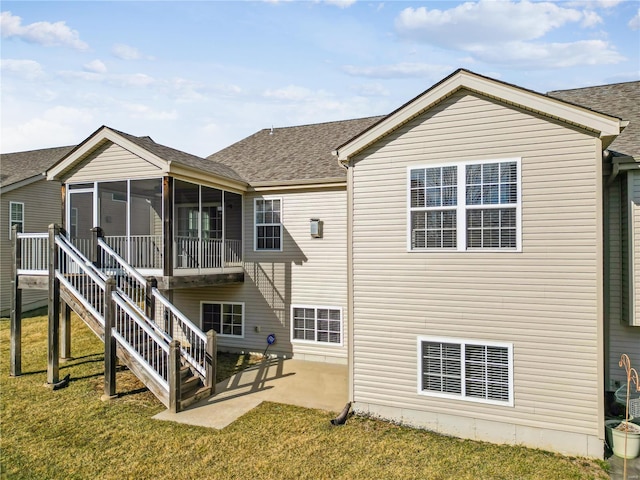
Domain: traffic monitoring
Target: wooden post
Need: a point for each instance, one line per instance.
(211, 361)
(174, 376)
(109, 341)
(149, 299)
(167, 225)
(53, 350)
(16, 306)
(96, 232)
(65, 331)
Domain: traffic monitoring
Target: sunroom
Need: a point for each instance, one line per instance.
(170, 215)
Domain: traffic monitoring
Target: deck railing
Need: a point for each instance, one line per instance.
(34, 253)
(141, 251)
(207, 253)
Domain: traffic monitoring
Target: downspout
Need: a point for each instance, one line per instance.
(350, 305)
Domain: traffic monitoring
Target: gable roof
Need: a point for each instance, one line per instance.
(167, 159)
(618, 99)
(21, 168)
(299, 154)
(605, 126)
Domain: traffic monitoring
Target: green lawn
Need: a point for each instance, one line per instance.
(72, 434)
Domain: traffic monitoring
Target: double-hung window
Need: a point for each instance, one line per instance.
(16, 216)
(478, 371)
(226, 319)
(268, 224)
(465, 206)
(316, 324)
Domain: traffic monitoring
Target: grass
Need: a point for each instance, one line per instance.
(72, 434)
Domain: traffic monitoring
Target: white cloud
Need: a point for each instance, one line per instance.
(590, 18)
(27, 69)
(127, 52)
(634, 23)
(552, 55)
(371, 90)
(484, 22)
(398, 70)
(42, 33)
(138, 110)
(132, 80)
(95, 66)
(289, 93)
(592, 4)
(341, 3)
(56, 126)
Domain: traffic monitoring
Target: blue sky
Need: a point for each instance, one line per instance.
(201, 75)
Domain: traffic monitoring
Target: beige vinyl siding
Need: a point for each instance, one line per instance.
(621, 337)
(544, 300)
(42, 206)
(111, 162)
(308, 271)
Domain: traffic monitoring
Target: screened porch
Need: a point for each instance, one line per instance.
(161, 226)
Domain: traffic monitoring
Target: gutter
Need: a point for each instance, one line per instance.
(619, 164)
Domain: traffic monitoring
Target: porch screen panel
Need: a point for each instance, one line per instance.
(211, 228)
(81, 220)
(112, 205)
(145, 204)
(187, 201)
(232, 216)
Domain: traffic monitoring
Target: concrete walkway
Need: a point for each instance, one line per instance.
(294, 382)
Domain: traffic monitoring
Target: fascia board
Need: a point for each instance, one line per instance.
(603, 124)
(21, 183)
(182, 172)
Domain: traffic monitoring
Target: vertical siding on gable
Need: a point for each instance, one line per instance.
(111, 162)
(42, 206)
(308, 271)
(544, 299)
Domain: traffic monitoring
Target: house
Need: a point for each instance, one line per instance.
(470, 256)
(32, 203)
(485, 221)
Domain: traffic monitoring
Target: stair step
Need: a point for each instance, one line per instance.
(201, 393)
(189, 386)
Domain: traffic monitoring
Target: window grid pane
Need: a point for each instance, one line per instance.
(491, 228)
(268, 224)
(486, 370)
(321, 325)
(223, 318)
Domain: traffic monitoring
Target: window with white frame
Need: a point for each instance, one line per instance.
(16, 216)
(316, 324)
(472, 370)
(226, 319)
(466, 206)
(268, 224)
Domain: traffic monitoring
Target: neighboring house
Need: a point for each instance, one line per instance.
(32, 203)
(477, 256)
(470, 256)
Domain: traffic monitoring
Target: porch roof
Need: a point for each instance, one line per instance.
(167, 159)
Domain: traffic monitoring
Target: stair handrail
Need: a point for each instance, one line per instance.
(141, 281)
(195, 348)
(86, 268)
(128, 343)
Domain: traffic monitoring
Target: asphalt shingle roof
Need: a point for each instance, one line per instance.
(180, 157)
(620, 100)
(292, 153)
(15, 167)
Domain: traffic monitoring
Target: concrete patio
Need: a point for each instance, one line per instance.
(295, 382)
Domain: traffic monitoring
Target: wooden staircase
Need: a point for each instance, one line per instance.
(107, 295)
